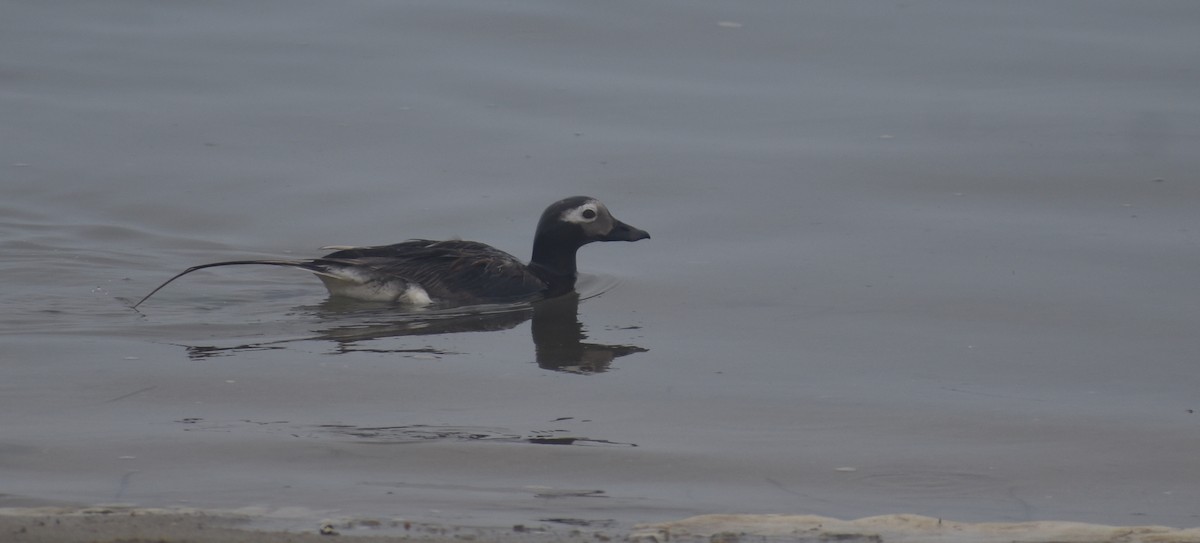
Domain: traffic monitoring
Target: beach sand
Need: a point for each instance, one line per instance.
(136, 525)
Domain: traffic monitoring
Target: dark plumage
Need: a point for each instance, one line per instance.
(422, 272)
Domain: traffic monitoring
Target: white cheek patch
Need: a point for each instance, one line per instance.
(577, 216)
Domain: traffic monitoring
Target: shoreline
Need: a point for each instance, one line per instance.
(124, 524)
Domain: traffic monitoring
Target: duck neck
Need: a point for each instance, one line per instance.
(555, 264)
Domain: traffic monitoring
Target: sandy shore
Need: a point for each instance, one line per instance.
(899, 529)
(139, 525)
(122, 524)
(112, 525)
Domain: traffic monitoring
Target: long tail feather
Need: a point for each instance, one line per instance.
(301, 264)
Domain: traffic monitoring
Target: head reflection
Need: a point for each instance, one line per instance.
(558, 335)
(558, 339)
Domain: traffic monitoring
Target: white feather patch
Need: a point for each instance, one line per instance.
(350, 283)
(415, 296)
(575, 215)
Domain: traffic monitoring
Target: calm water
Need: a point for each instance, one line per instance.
(917, 257)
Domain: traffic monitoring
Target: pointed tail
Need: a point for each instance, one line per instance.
(301, 264)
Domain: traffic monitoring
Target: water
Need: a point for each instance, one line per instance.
(922, 257)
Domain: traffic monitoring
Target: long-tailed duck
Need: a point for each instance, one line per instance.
(422, 272)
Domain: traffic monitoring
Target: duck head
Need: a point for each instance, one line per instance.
(571, 223)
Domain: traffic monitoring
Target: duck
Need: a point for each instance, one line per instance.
(421, 272)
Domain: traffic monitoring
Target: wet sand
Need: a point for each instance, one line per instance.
(119, 524)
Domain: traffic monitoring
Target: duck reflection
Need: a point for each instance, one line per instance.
(558, 339)
(558, 336)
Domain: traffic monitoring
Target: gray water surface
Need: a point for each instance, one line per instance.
(908, 257)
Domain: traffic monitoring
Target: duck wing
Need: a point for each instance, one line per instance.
(454, 271)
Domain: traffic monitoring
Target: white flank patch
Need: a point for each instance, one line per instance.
(350, 284)
(414, 295)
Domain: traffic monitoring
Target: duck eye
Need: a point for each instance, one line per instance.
(589, 214)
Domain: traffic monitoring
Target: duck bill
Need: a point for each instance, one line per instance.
(624, 232)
